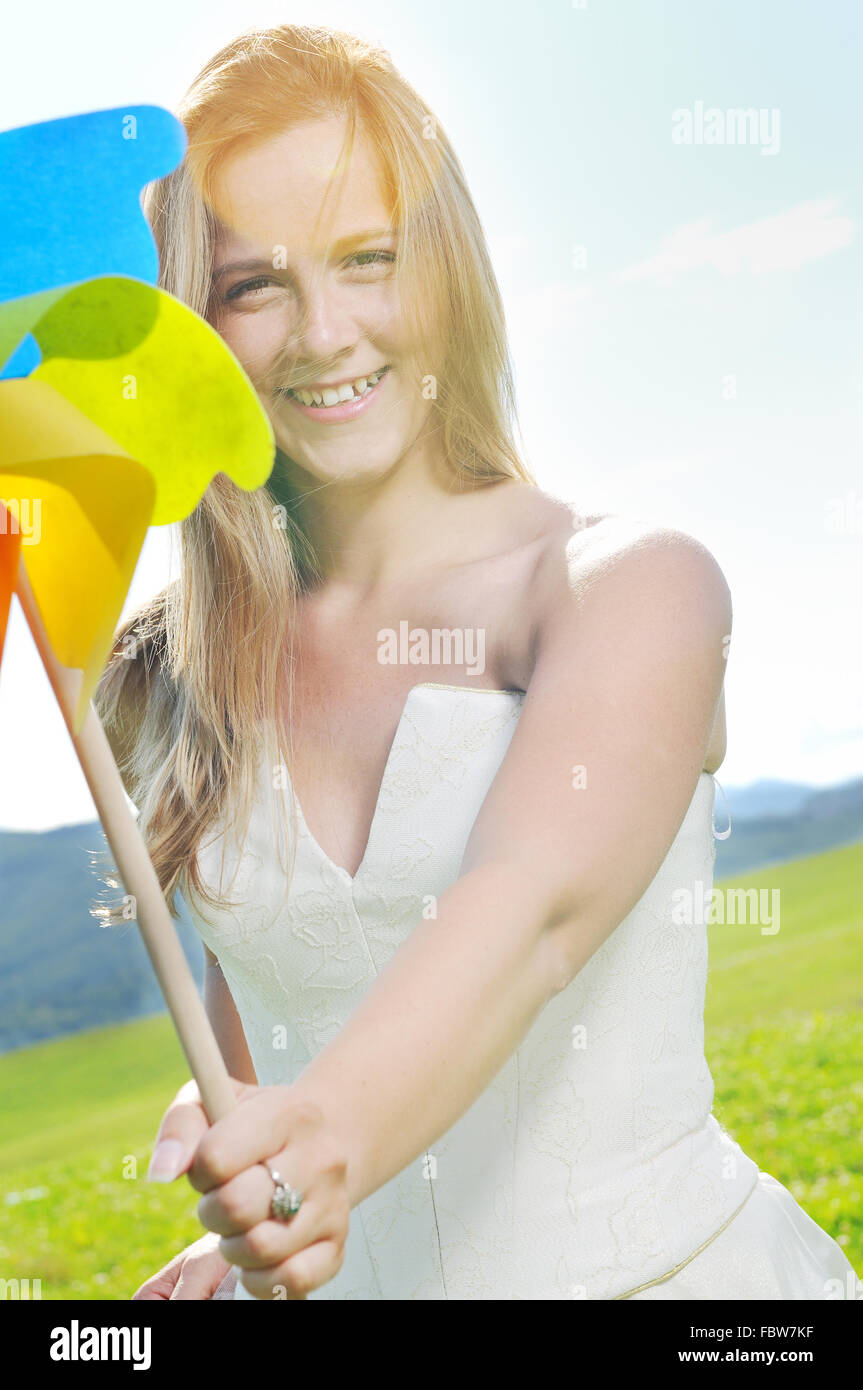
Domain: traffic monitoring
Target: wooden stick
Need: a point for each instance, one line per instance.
(136, 869)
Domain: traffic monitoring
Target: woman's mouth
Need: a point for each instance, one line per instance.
(332, 405)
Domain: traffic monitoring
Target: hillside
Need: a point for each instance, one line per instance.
(60, 970)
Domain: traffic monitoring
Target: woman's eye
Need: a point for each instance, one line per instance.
(373, 257)
(260, 282)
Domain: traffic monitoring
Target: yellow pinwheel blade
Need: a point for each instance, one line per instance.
(160, 381)
(88, 506)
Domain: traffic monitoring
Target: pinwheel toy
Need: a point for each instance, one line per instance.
(118, 404)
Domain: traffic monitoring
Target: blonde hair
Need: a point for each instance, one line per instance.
(197, 676)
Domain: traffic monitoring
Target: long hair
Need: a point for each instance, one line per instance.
(200, 677)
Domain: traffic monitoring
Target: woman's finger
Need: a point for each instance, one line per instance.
(200, 1277)
(183, 1126)
(298, 1276)
(239, 1211)
(238, 1204)
(162, 1284)
(244, 1201)
(270, 1115)
(270, 1243)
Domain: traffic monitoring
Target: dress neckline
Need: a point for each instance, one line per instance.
(351, 879)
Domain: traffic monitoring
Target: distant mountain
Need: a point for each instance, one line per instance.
(61, 972)
(822, 819)
(766, 797)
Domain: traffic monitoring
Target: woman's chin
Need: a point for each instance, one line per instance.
(344, 471)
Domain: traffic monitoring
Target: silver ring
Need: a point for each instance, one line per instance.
(286, 1200)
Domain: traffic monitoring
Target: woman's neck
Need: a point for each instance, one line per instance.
(372, 534)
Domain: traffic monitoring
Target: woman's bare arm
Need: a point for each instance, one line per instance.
(222, 1013)
(630, 661)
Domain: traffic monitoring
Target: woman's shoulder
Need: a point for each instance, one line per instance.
(556, 530)
(605, 558)
(574, 545)
(533, 525)
(631, 581)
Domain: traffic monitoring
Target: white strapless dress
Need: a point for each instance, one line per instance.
(592, 1166)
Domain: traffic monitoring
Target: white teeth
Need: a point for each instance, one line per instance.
(336, 395)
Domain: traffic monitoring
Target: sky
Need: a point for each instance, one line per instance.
(682, 293)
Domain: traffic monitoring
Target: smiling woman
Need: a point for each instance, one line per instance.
(464, 1021)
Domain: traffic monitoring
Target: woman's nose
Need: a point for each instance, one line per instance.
(326, 326)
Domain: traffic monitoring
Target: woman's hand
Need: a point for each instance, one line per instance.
(224, 1162)
(200, 1272)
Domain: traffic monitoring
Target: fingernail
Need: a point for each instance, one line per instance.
(168, 1158)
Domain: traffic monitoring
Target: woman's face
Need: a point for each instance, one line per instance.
(270, 274)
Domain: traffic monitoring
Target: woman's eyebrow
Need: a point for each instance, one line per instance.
(339, 247)
(242, 265)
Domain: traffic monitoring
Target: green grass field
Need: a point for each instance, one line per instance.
(784, 1037)
(784, 1041)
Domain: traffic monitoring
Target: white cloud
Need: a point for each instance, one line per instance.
(783, 242)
